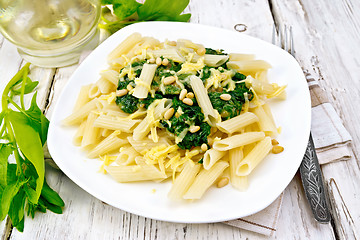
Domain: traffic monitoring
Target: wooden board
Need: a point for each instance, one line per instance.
(321, 49)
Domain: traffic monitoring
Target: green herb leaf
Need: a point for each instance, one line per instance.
(164, 10)
(29, 87)
(7, 196)
(125, 8)
(16, 211)
(37, 120)
(51, 196)
(129, 11)
(23, 133)
(30, 145)
(5, 151)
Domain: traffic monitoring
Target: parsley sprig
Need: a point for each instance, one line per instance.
(126, 12)
(23, 133)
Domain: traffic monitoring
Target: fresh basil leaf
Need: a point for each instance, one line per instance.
(5, 151)
(37, 120)
(29, 87)
(11, 173)
(51, 207)
(51, 196)
(7, 196)
(2, 115)
(165, 10)
(31, 194)
(30, 145)
(125, 8)
(16, 211)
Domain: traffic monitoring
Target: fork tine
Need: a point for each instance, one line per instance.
(283, 37)
(273, 39)
(292, 49)
(276, 36)
(286, 45)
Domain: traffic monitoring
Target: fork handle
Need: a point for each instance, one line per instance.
(311, 178)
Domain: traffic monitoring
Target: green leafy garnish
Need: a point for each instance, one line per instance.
(23, 133)
(191, 115)
(214, 52)
(127, 12)
(231, 108)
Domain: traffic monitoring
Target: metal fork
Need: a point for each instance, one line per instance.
(310, 171)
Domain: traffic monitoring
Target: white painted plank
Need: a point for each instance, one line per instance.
(296, 218)
(327, 47)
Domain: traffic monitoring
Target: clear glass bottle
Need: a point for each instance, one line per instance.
(50, 33)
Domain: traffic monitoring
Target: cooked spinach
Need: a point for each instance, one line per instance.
(192, 116)
(231, 108)
(196, 139)
(215, 52)
(127, 103)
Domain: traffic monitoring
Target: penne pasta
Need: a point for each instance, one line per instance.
(82, 98)
(266, 122)
(204, 180)
(215, 60)
(90, 131)
(249, 65)
(203, 100)
(211, 157)
(111, 76)
(109, 144)
(135, 173)
(83, 112)
(237, 123)
(257, 154)
(125, 46)
(143, 84)
(115, 123)
(235, 157)
(184, 180)
(170, 53)
(127, 155)
(238, 140)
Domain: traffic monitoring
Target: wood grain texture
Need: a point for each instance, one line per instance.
(325, 45)
(322, 49)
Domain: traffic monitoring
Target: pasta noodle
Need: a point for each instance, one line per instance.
(177, 110)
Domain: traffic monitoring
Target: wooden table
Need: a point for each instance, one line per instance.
(327, 37)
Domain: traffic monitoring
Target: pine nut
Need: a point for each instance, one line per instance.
(122, 92)
(225, 97)
(277, 149)
(182, 94)
(274, 142)
(158, 61)
(129, 87)
(190, 95)
(177, 114)
(169, 80)
(169, 113)
(201, 51)
(222, 182)
(194, 129)
(188, 101)
(165, 62)
(151, 60)
(204, 147)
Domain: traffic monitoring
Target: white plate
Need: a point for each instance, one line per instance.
(266, 182)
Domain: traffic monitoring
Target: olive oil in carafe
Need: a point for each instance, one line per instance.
(48, 27)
